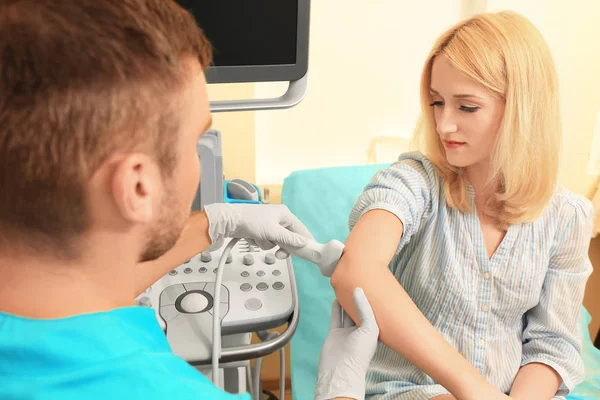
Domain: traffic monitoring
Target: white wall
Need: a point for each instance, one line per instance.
(364, 70)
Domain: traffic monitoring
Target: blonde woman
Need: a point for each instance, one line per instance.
(474, 259)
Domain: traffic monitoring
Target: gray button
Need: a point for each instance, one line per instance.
(202, 269)
(206, 256)
(210, 289)
(260, 273)
(262, 286)
(168, 312)
(248, 259)
(245, 274)
(194, 286)
(173, 272)
(188, 270)
(278, 285)
(145, 302)
(215, 270)
(246, 287)
(270, 259)
(170, 294)
(277, 272)
(253, 304)
(229, 259)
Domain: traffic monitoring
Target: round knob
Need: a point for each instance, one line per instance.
(248, 259)
(145, 302)
(270, 259)
(194, 303)
(206, 256)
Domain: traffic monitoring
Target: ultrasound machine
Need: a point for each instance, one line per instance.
(210, 305)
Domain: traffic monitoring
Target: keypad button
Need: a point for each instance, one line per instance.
(246, 287)
(145, 302)
(260, 273)
(278, 285)
(170, 294)
(270, 259)
(245, 274)
(206, 256)
(215, 270)
(168, 312)
(253, 304)
(262, 286)
(188, 270)
(195, 286)
(202, 269)
(173, 272)
(277, 272)
(248, 259)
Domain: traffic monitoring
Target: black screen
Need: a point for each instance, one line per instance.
(248, 32)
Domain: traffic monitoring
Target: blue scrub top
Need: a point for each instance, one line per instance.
(120, 354)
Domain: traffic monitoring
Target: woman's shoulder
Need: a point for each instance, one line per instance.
(418, 162)
(569, 209)
(415, 159)
(567, 202)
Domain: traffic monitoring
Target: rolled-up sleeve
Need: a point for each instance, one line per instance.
(406, 189)
(552, 334)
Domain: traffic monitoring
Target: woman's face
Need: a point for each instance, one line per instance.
(467, 116)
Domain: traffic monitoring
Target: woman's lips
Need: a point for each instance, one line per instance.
(453, 144)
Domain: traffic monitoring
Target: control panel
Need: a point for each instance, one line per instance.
(256, 294)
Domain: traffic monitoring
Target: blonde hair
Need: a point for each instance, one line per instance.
(507, 55)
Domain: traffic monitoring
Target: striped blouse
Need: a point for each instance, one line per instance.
(520, 306)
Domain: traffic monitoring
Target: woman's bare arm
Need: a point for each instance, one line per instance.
(369, 249)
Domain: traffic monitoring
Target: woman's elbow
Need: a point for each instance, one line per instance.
(343, 274)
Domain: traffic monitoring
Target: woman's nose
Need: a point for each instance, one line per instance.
(445, 123)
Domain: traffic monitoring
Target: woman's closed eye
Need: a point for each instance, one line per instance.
(469, 109)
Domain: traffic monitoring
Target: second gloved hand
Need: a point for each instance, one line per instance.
(347, 352)
(264, 224)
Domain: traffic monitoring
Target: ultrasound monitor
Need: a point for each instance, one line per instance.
(256, 41)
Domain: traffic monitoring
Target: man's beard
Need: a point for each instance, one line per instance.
(163, 235)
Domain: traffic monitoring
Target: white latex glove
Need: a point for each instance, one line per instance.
(266, 225)
(347, 352)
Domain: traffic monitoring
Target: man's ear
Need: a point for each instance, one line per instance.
(136, 187)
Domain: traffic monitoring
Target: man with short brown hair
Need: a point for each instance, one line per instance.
(102, 103)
